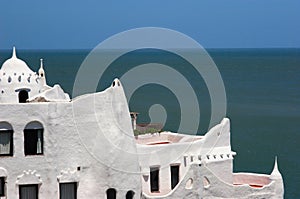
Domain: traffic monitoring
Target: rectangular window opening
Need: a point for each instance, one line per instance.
(68, 190)
(2, 186)
(174, 175)
(154, 179)
(28, 191)
(6, 143)
(33, 141)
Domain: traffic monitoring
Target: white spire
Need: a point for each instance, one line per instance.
(15, 65)
(41, 63)
(275, 173)
(42, 73)
(14, 54)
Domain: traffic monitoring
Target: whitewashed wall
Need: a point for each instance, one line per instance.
(81, 133)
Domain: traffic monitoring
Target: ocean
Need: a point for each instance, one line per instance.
(263, 99)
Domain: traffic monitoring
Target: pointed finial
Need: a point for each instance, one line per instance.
(41, 65)
(41, 71)
(275, 173)
(14, 54)
(275, 164)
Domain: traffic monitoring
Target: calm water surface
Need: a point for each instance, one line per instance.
(263, 96)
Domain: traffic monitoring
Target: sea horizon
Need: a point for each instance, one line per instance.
(262, 88)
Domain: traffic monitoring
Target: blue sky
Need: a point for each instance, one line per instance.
(57, 24)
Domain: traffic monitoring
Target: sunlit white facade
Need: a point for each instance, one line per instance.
(52, 146)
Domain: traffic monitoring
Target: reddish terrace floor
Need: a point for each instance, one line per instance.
(253, 180)
(165, 138)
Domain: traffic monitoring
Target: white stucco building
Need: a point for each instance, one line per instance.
(52, 146)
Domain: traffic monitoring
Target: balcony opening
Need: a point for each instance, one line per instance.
(23, 96)
(6, 139)
(33, 139)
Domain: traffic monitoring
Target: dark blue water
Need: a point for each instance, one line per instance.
(263, 96)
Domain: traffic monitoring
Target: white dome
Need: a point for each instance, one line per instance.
(15, 65)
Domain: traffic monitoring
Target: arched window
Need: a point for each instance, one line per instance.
(111, 193)
(130, 194)
(33, 138)
(23, 96)
(6, 139)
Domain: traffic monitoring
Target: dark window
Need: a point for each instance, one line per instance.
(23, 96)
(2, 186)
(154, 179)
(68, 190)
(33, 141)
(111, 193)
(6, 142)
(129, 195)
(28, 191)
(174, 175)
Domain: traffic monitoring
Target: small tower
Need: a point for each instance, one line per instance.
(42, 74)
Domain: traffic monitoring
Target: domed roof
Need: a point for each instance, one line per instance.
(15, 65)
